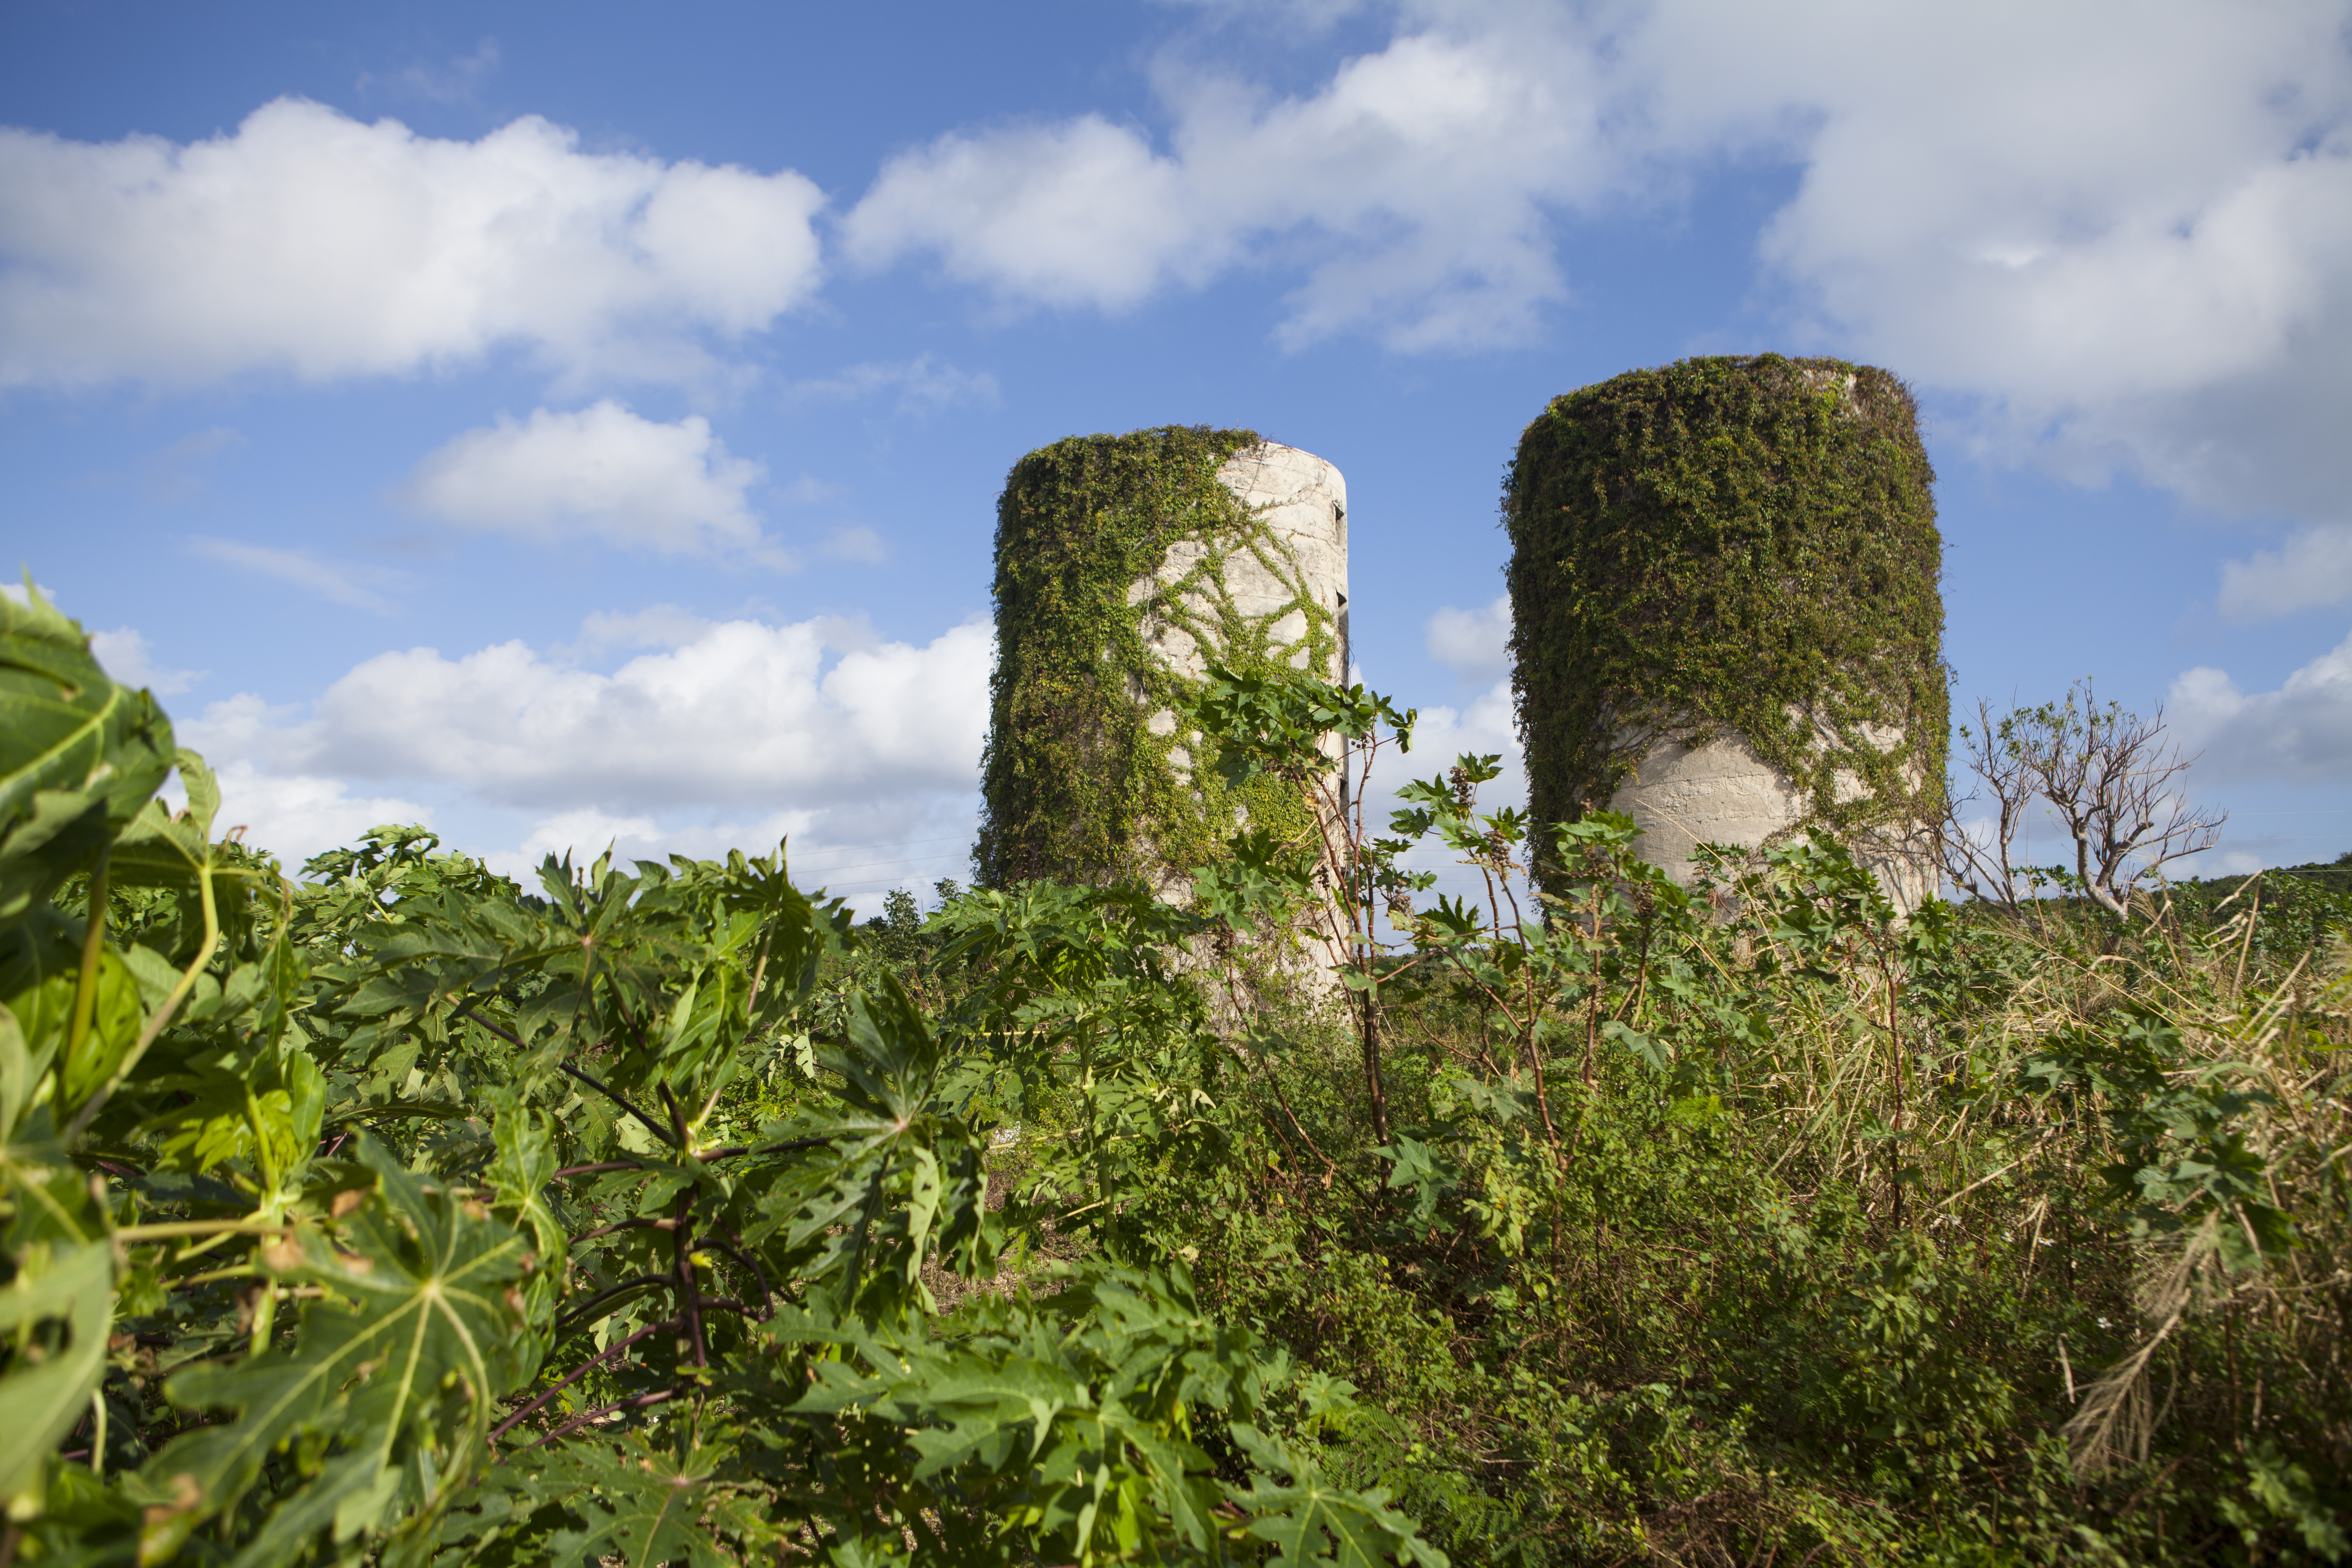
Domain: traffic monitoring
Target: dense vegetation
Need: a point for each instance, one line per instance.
(396, 1213)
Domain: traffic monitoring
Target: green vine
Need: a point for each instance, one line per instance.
(1731, 544)
(1088, 774)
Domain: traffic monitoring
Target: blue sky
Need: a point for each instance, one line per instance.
(572, 424)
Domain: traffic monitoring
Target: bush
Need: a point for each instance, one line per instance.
(655, 1215)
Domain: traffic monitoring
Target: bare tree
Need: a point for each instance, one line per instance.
(2104, 775)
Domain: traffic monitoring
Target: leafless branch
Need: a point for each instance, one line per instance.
(2108, 777)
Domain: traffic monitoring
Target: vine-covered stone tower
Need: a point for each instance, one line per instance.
(1725, 614)
(1124, 564)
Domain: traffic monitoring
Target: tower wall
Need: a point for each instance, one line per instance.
(1124, 566)
(1726, 618)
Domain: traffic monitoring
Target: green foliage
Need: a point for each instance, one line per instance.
(1077, 786)
(1750, 1221)
(387, 1384)
(399, 1215)
(1731, 546)
(79, 754)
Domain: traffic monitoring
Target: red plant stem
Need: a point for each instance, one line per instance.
(621, 1225)
(614, 1095)
(791, 1145)
(767, 1296)
(681, 1241)
(641, 1402)
(580, 1312)
(578, 1372)
(620, 1100)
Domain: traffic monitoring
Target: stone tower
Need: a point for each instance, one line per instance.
(1124, 566)
(1726, 615)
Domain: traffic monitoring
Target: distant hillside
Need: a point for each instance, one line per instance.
(2334, 876)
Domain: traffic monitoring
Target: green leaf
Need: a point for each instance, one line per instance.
(644, 1507)
(1308, 1521)
(392, 1377)
(79, 754)
(163, 848)
(46, 1388)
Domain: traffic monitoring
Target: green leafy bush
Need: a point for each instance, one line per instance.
(401, 1215)
(654, 1214)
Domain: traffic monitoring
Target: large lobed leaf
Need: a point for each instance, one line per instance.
(67, 1287)
(388, 1387)
(79, 754)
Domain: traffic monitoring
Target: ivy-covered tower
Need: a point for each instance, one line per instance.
(1124, 564)
(1725, 614)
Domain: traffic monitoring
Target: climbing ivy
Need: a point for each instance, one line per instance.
(1731, 544)
(1077, 785)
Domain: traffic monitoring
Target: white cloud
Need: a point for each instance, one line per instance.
(1487, 727)
(295, 817)
(656, 625)
(2121, 233)
(584, 833)
(2312, 568)
(2301, 733)
(603, 472)
(922, 387)
(743, 713)
(1412, 186)
(864, 753)
(126, 657)
(857, 544)
(2127, 228)
(336, 584)
(859, 855)
(1472, 642)
(311, 243)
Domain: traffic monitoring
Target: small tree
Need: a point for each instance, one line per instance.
(1276, 724)
(2106, 775)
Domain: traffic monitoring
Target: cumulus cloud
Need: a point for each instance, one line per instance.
(123, 653)
(2312, 568)
(584, 833)
(295, 817)
(656, 625)
(603, 472)
(742, 713)
(865, 751)
(858, 857)
(313, 244)
(298, 568)
(1472, 642)
(125, 656)
(2301, 733)
(1486, 726)
(2126, 229)
(2122, 234)
(1413, 185)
